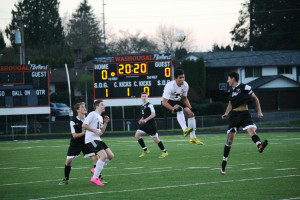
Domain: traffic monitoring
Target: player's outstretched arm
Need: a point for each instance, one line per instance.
(150, 117)
(259, 113)
(228, 109)
(106, 120)
(78, 135)
(186, 102)
(168, 106)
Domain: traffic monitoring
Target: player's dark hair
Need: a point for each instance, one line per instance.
(97, 103)
(77, 105)
(144, 93)
(178, 72)
(234, 75)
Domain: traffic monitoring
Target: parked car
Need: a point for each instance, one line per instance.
(59, 109)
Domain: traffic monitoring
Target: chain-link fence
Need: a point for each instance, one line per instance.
(45, 124)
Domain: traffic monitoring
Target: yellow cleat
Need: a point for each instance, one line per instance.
(187, 131)
(144, 153)
(196, 141)
(163, 155)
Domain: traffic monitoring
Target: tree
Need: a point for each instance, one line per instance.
(41, 22)
(132, 43)
(180, 53)
(268, 25)
(2, 42)
(84, 30)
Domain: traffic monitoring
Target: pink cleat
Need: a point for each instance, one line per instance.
(96, 181)
(93, 170)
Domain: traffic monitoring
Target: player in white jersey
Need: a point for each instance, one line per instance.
(95, 127)
(174, 92)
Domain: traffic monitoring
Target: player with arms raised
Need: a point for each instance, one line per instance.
(174, 92)
(240, 95)
(95, 127)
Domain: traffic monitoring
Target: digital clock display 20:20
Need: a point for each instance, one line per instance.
(127, 76)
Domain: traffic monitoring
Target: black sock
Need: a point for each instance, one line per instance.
(100, 175)
(161, 146)
(256, 140)
(225, 156)
(67, 171)
(94, 166)
(141, 142)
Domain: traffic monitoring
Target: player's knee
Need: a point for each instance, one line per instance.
(155, 139)
(69, 162)
(137, 136)
(111, 156)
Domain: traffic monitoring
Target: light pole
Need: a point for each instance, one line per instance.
(19, 42)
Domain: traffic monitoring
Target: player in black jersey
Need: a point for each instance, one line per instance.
(77, 143)
(240, 96)
(148, 126)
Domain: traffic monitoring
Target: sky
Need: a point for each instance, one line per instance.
(209, 20)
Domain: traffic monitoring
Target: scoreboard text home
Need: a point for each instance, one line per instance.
(127, 76)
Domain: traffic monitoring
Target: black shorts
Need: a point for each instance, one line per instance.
(74, 151)
(240, 118)
(149, 128)
(97, 146)
(180, 103)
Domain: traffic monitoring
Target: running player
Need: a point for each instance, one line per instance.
(148, 126)
(95, 127)
(174, 92)
(240, 95)
(77, 143)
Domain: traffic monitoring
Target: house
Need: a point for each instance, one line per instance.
(273, 75)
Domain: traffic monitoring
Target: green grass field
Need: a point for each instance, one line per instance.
(32, 170)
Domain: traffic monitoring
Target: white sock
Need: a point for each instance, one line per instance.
(181, 120)
(192, 124)
(98, 168)
(106, 162)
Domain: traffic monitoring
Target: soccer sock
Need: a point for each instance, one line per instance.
(106, 162)
(192, 124)
(142, 143)
(256, 140)
(225, 156)
(67, 171)
(98, 168)
(161, 146)
(181, 120)
(94, 166)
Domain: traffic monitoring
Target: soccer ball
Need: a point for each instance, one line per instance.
(179, 35)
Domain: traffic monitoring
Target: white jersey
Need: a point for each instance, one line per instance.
(95, 121)
(173, 92)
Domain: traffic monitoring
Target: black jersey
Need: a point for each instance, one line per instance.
(239, 95)
(147, 109)
(77, 125)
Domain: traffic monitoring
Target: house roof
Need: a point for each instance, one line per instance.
(266, 79)
(247, 58)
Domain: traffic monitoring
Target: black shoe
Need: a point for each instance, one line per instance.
(262, 146)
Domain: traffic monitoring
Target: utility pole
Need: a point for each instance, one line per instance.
(104, 37)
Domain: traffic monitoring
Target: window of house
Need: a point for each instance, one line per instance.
(285, 70)
(252, 72)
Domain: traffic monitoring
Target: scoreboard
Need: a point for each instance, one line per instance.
(23, 87)
(121, 79)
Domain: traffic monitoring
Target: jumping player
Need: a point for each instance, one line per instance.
(77, 143)
(174, 92)
(95, 127)
(240, 95)
(148, 126)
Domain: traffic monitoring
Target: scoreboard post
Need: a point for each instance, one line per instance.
(121, 79)
(24, 89)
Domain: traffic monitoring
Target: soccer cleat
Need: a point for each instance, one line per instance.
(144, 153)
(102, 180)
(262, 146)
(187, 131)
(96, 181)
(63, 182)
(163, 154)
(223, 172)
(93, 170)
(196, 141)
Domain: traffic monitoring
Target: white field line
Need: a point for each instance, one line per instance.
(8, 168)
(162, 168)
(166, 187)
(134, 168)
(198, 167)
(291, 198)
(30, 168)
(255, 168)
(285, 169)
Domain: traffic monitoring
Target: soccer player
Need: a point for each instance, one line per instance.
(240, 95)
(95, 127)
(148, 126)
(77, 143)
(174, 92)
